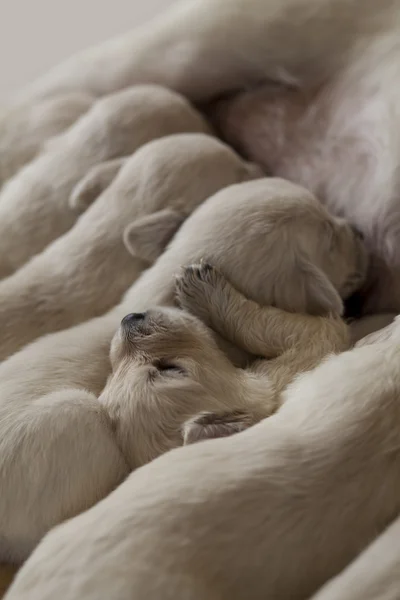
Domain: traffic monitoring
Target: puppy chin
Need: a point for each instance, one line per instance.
(119, 347)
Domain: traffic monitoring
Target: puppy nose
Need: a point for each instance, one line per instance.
(358, 233)
(133, 319)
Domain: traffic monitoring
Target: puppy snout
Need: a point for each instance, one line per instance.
(133, 319)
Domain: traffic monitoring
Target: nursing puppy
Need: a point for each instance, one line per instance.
(85, 272)
(374, 574)
(56, 435)
(273, 512)
(40, 121)
(34, 205)
(327, 116)
(291, 343)
(171, 381)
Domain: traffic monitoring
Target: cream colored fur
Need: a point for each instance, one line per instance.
(34, 205)
(328, 116)
(85, 272)
(272, 512)
(37, 123)
(171, 383)
(254, 232)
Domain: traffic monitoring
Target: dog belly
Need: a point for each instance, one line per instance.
(341, 143)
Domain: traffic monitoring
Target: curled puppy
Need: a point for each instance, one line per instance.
(34, 205)
(44, 119)
(85, 272)
(292, 344)
(167, 367)
(273, 512)
(255, 233)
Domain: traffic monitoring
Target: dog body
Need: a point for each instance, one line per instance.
(241, 229)
(34, 205)
(85, 272)
(322, 109)
(272, 512)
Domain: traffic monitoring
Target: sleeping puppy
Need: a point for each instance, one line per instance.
(167, 368)
(39, 122)
(271, 238)
(291, 343)
(310, 94)
(35, 205)
(85, 272)
(272, 512)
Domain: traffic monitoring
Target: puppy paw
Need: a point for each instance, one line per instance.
(209, 425)
(197, 288)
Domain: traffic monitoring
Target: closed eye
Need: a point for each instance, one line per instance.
(167, 367)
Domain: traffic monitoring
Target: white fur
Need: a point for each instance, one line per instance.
(34, 205)
(272, 512)
(37, 123)
(247, 230)
(85, 272)
(327, 118)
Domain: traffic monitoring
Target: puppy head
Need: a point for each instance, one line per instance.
(166, 368)
(312, 260)
(326, 263)
(277, 245)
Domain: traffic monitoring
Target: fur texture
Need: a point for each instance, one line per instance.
(85, 272)
(24, 131)
(272, 512)
(251, 231)
(34, 205)
(327, 113)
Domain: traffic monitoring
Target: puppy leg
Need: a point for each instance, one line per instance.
(264, 331)
(94, 183)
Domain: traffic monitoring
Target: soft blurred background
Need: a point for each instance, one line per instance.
(37, 34)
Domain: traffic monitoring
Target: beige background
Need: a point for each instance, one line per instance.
(37, 34)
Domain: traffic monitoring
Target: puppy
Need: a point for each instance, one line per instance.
(309, 93)
(258, 233)
(374, 574)
(292, 343)
(272, 512)
(34, 205)
(85, 272)
(39, 122)
(167, 368)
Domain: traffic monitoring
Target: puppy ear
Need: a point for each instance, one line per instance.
(208, 425)
(147, 237)
(88, 189)
(307, 289)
